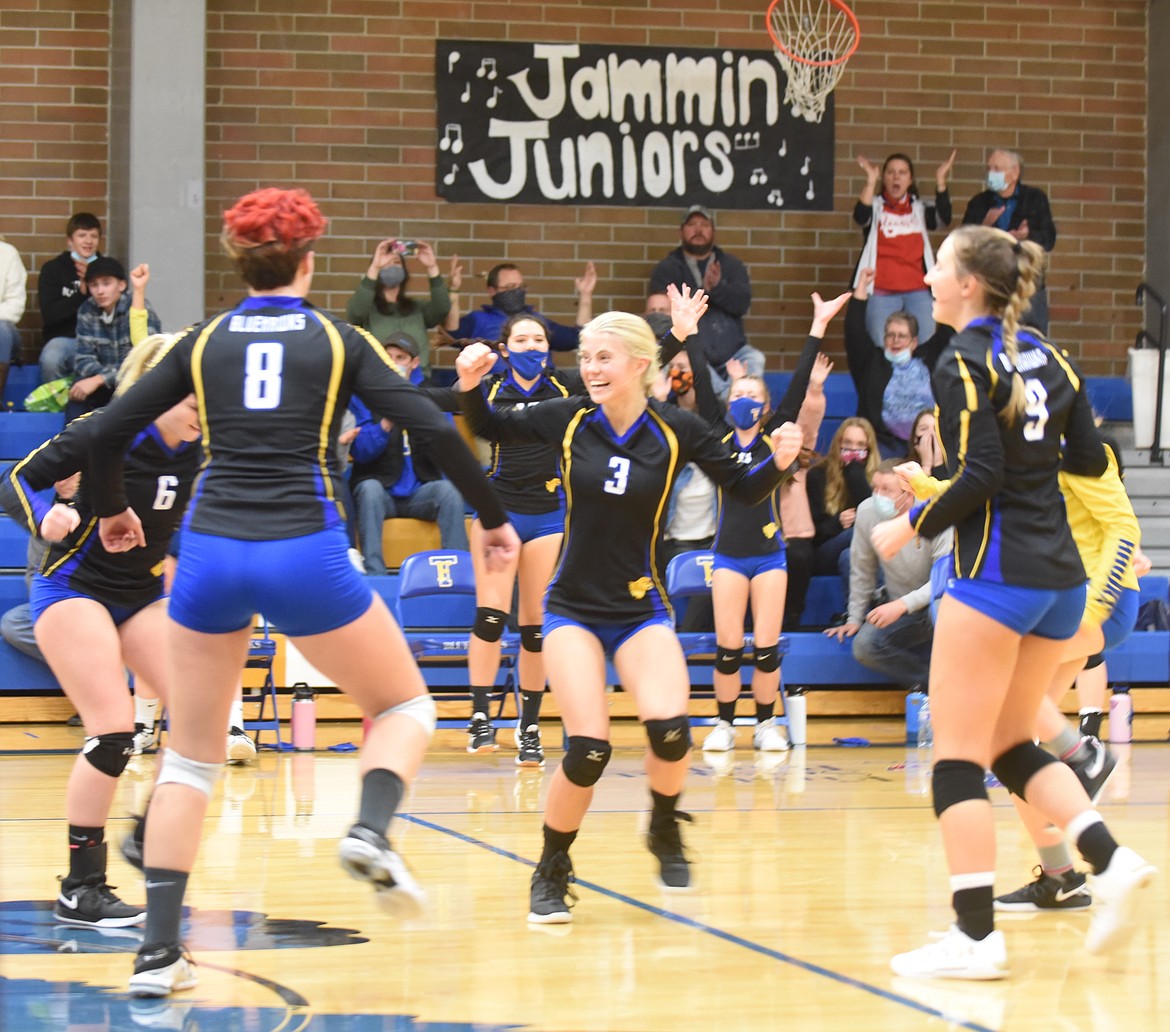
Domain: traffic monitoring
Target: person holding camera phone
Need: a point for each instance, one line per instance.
(380, 303)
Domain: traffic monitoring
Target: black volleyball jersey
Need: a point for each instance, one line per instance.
(158, 486)
(272, 379)
(616, 491)
(1003, 497)
(744, 530)
(526, 477)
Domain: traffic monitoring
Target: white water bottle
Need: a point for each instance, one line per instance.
(1120, 716)
(925, 728)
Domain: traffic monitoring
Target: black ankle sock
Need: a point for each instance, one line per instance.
(664, 805)
(1097, 846)
(975, 911)
(164, 904)
(382, 792)
(765, 711)
(556, 842)
(87, 851)
(481, 701)
(726, 711)
(530, 708)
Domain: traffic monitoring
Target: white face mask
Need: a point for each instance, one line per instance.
(885, 508)
(898, 358)
(996, 181)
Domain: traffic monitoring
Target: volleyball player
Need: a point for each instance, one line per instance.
(265, 533)
(749, 557)
(527, 482)
(1007, 399)
(97, 613)
(620, 454)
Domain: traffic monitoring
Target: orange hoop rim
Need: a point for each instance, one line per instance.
(841, 6)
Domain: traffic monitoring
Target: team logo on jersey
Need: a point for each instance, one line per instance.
(551, 485)
(770, 530)
(443, 565)
(638, 588)
(707, 562)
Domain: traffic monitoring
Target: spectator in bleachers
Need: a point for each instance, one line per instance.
(891, 636)
(13, 294)
(837, 485)
(509, 297)
(1023, 211)
(925, 448)
(699, 262)
(391, 478)
(62, 290)
(106, 330)
(896, 224)
(892, 381)
(380, 303)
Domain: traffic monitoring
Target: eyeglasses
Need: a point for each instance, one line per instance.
(897, 337)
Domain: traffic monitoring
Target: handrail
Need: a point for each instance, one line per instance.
(1144, 290)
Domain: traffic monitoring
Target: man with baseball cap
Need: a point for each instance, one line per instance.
(699, 263)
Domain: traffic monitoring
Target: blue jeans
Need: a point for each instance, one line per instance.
(881, 306)
(9, 341)
(437, 500)
(753, 365)
(901, 651)
(57, 358)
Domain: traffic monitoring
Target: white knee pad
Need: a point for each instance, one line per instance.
(421, 709)
(178, 770)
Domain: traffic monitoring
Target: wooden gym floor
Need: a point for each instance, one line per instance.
(811, 871)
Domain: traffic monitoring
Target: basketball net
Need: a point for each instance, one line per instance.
(814, 40)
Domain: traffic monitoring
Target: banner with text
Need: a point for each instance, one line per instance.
(542, 123)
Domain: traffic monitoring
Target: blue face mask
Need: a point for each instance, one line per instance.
(898, 358)
(77, 258)
(884, 507)
(996, 181)
(527, 365)
(745, 412)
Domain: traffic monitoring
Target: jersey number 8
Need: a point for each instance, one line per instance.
(263, 364)
(1035, 410)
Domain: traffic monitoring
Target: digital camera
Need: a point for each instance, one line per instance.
(406, 248)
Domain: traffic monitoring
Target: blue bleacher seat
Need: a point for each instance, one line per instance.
(13, 545)
(22, 432)
(21, 380)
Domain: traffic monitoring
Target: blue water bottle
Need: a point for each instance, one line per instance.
(914, 703)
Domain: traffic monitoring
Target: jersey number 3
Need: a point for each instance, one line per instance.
(263, 364)
(621, 475)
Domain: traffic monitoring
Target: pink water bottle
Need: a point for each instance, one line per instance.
(1120, 716)
(304, 718)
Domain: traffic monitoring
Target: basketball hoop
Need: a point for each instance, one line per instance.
(813, 39)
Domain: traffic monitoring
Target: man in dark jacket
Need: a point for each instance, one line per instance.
(62, 290)
(1022, 210)
(390, 478)
(699, 263)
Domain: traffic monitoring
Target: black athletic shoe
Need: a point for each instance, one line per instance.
(91, 902)
(547, 898)
(1093, 764)
(160, 970)
(529, 752)
(1068, 892)
(665, 842)
(1091, 724)
(481, 736)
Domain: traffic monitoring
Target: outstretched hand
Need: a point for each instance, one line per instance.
(822, 366)
(473, 363)
(122, 532)
(943, 172)
(823, 312)
(872, 171)
(686, 309)
(587, 281)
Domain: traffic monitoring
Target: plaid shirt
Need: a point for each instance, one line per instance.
(102, 344)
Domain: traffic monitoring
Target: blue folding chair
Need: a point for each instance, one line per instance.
(688, 575)
(436, 609)
(261, 656)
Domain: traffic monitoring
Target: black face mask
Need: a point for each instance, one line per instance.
(659, 322)
(510, 302)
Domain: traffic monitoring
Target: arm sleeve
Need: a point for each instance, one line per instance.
(863, 565)
(707, 402)
(562, 338)
(941, 213)
(436, 307)
(545, 423)
(55, 305)
(1105, 500)
(962, 394)
(789, 407)
(914, 600)
(863, 214)
(25, 491)
(371, 439)
(391, 397)
(1041, 228)
(139, 326)
(1084, 452)
(860, 351)
(706, 450)
(357, 308)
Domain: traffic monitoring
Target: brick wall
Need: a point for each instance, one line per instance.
(338, 97)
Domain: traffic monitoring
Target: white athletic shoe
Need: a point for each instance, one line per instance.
(721, 739)
(768, 736)
(1117, 893)
(367, 856)
(955, 955)
(143, 739)
(240, 747)
(162, 970)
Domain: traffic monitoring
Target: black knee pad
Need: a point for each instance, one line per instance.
(727, 661)
(1016, 767)
(489, 624)
(109, 753)
(956, 781)
(768, 660)
(531, 637)
(1094, 661)
(585, 759)
(669, 739)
